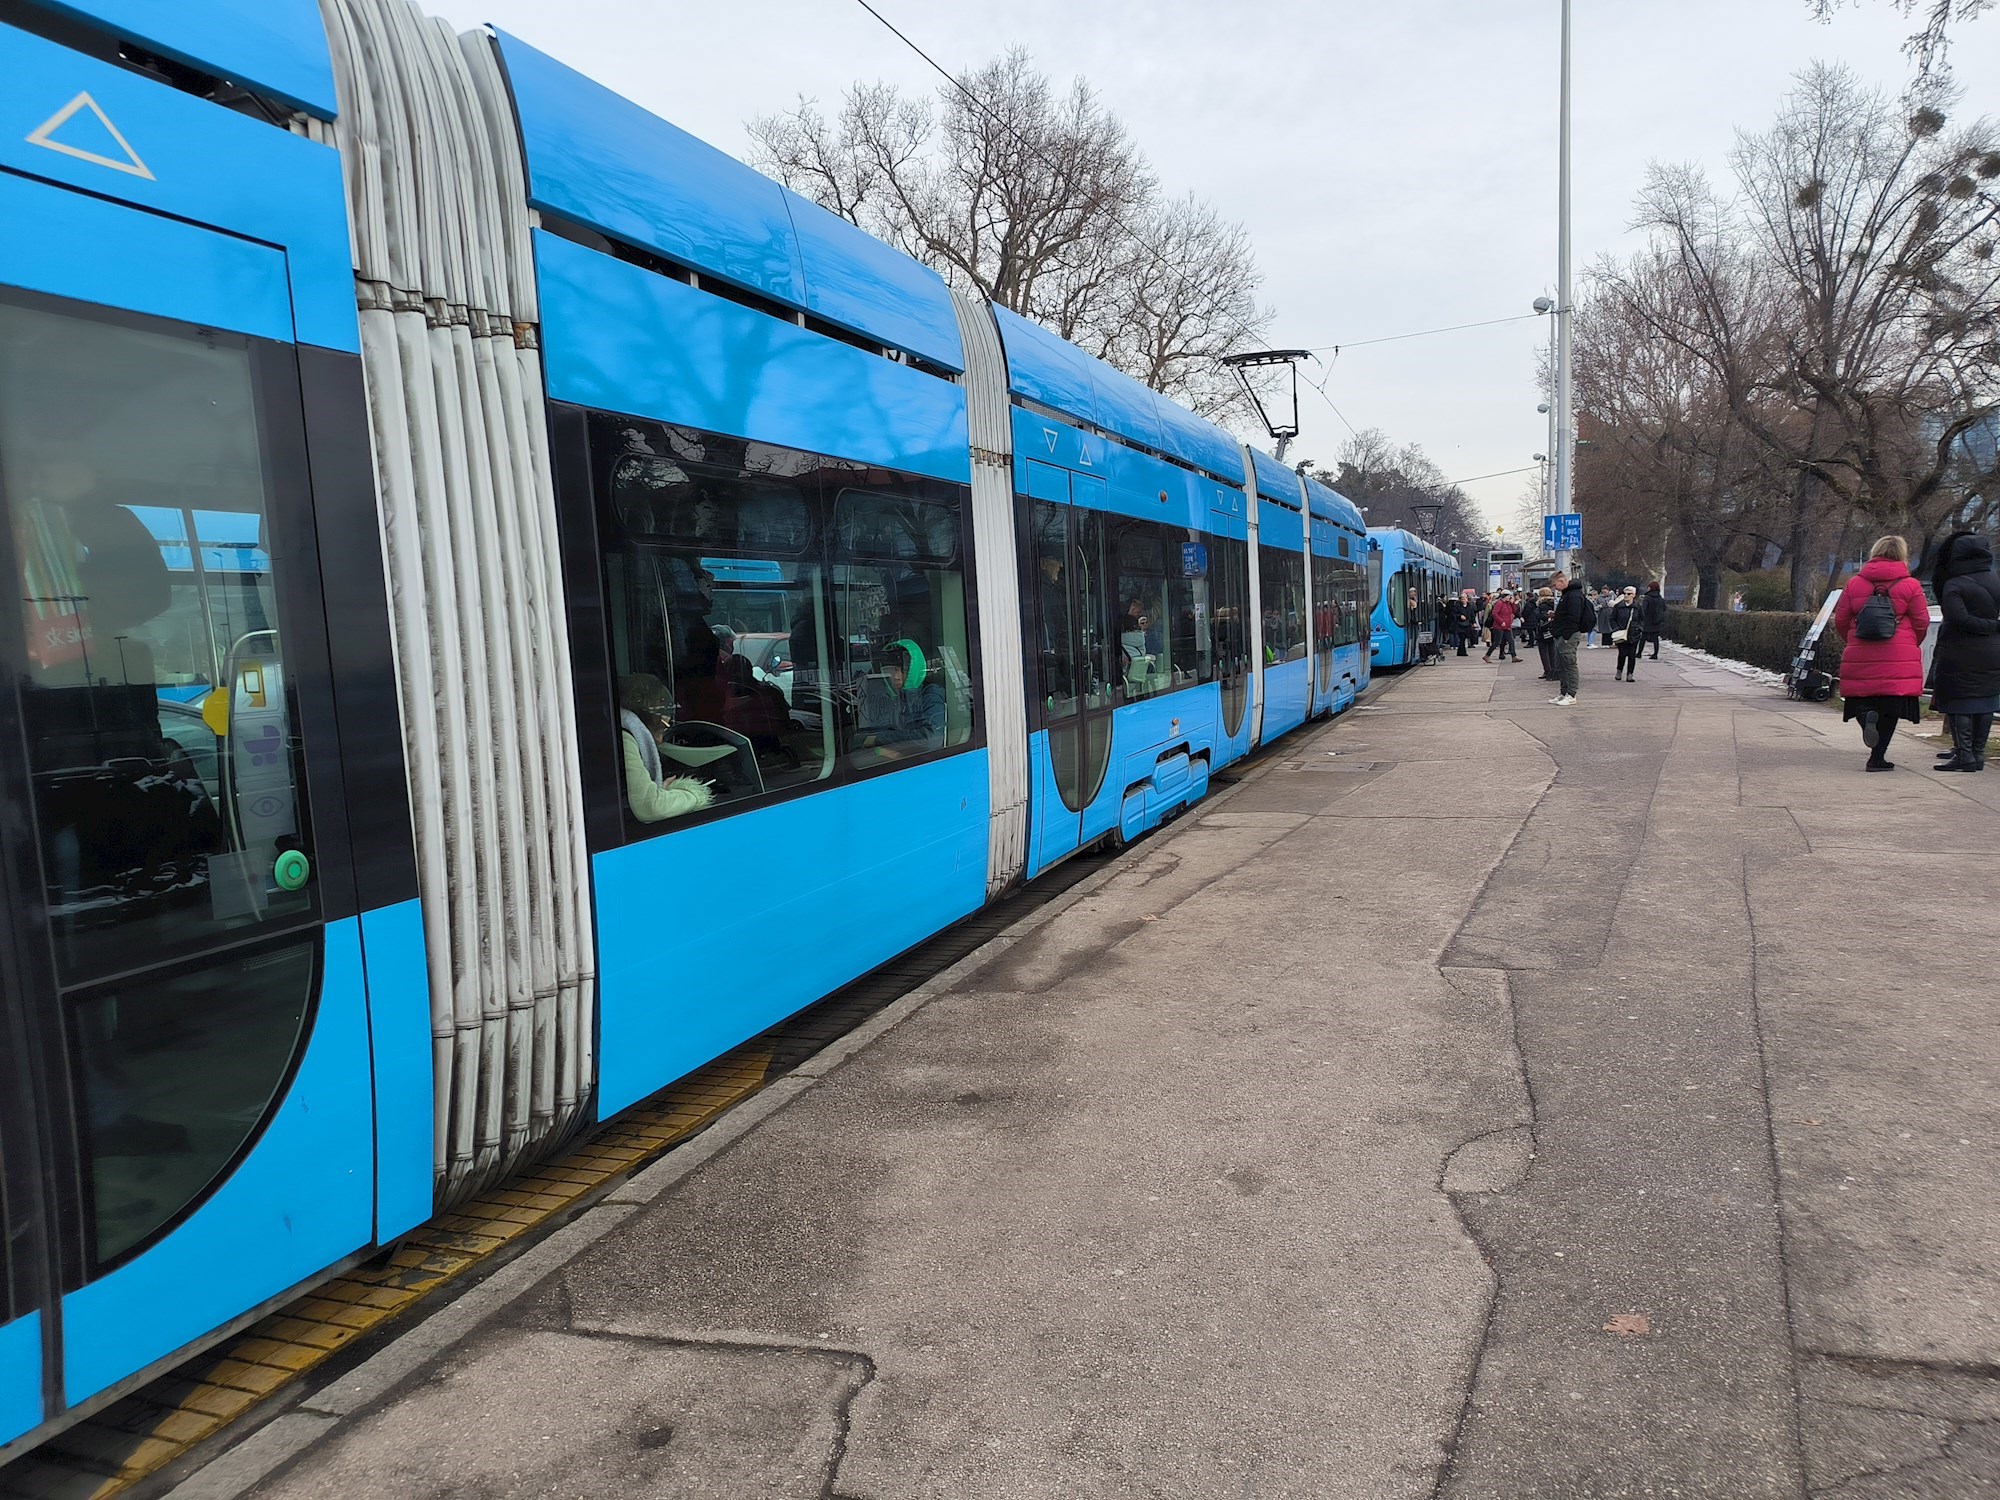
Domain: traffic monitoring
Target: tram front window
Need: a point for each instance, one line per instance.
(160, 741)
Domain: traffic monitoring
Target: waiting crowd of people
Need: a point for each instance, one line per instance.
(1883, 616)
(1559, 620)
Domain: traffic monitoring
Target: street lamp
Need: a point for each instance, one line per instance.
(1427, 519)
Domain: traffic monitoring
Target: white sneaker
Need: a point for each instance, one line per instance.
(1564, 702)
(1560, 699)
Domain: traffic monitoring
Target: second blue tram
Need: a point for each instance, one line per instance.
(512, 604)
(1409, 580)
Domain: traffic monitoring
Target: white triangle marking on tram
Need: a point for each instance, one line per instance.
(42, 135)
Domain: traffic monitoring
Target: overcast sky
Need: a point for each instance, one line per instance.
(1395, 164)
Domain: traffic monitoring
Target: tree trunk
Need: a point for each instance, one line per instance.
(1708, 585)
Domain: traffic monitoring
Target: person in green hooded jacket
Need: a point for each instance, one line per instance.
(918, 724)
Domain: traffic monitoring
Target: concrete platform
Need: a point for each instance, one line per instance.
(1482, 1099)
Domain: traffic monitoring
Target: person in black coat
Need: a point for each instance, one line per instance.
(1453, 618)
(1965, 665)
(1628, 633)
(1653, 615)
(1573, 619)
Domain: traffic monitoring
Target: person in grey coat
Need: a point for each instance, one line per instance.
(1965, 666)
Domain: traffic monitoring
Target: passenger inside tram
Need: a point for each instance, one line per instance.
(645, 721)
(913, 717)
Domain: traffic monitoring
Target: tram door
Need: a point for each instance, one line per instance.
(193, 1026)
(1074, 618)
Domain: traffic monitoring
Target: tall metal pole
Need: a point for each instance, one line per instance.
(1565, 426)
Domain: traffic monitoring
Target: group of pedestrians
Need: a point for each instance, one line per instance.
(1883, 617)
(1563, 612)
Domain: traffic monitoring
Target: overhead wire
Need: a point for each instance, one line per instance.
(1421, 333)
(1242, 327)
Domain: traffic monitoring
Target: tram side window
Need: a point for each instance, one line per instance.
(1164, 627)
(1282, 578)
(774, 616)
(719, 613)
(899, 588)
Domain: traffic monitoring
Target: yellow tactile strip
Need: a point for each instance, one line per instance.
(137, 1436)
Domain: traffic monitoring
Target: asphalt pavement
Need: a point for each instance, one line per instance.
(1480, 1098)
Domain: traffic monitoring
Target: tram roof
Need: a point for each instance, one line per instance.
(1330, 505)
(1047, 369)
(598, 159)
(272, 47)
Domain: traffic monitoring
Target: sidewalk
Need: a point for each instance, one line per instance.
(1308, 1150)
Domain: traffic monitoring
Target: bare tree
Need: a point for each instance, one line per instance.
(1391, 482)
(1844, 300)
(1665, 468)
(1928, 46)
(1040, 202)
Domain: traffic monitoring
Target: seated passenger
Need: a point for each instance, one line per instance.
(645, 722)
(918, 720)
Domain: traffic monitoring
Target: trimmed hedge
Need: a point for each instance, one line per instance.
(1763, 638)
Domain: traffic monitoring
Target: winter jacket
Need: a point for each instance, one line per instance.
(1965, 666)
(1503, 614)
(1622, 618)
(1883, 669)
(1652, 612)
(1603, 608)
(1574, 615)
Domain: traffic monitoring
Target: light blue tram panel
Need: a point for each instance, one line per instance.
(1408, 582)
(1339, 598)
(1284, 613)
(1133, 616)
(175, 298)
(763, 477)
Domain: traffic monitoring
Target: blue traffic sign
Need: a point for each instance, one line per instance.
(1564, 532)
(1194, 560)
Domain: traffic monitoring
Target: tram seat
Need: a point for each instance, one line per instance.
(701, 736)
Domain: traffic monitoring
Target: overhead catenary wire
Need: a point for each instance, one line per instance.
(1029, 146)
(1241, 327)
(1421, 333)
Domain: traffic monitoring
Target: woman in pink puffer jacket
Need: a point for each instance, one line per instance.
(1883, 680)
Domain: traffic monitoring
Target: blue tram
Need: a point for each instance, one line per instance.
(513, 603)
(1409, 580)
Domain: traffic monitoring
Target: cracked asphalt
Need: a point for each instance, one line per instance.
(1323, 1148)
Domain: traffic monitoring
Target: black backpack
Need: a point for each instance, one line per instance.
(1876, 619)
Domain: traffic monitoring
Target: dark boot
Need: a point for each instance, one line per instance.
(1953, 758)
(1952, 753)
(1968, 734)
(1878, 730)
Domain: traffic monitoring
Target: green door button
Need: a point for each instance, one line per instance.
(292, 870)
